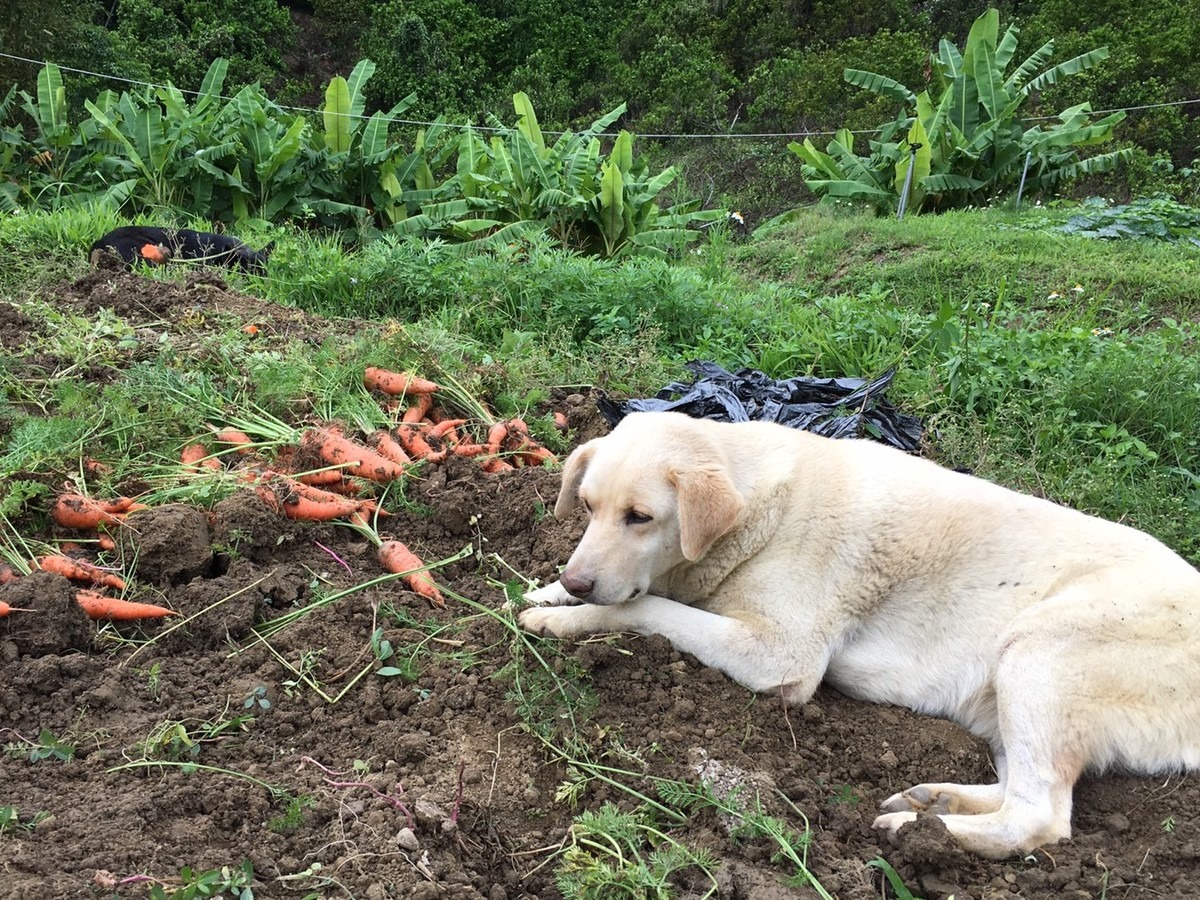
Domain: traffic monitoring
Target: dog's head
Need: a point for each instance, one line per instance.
(658, 493)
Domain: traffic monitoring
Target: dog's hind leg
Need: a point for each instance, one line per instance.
(1045, 731)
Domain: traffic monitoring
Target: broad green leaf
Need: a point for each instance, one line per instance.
(1035, 61)
(984, 33)
(52, 102)
(338, 127)
(989, 80)
(622, 151)
(939, 184)
(1071, 67)
(612, 205)
(879, 84)
(374, 138)
(1006, 48)
(210, 87)
(527, 122)
(359, 76)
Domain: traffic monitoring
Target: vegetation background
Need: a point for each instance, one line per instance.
(682, 67)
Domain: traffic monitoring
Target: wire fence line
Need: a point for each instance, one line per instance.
(776, 135)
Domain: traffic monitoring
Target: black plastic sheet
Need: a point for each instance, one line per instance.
(833, 407)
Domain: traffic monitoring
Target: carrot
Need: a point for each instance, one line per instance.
(397, 383)
(445, 429)
(560, 421)
(304, 502)
(79, 571)
(238, 439)
(535, 454)
(153, 253)
(77, 511)
(98, 606)
(5, 609)
(320, 477)
(396, 557)
(8, 574)
(105, 541)
(495, 438)
(94, 468)
(469, 449)
(196, 456)
(388, 447)
(414, 442)
(494, 465)
(418, 410)
(336, 449)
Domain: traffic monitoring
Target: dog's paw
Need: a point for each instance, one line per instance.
(919, 799)
(892, 822)
(550, 621)
(553, 594)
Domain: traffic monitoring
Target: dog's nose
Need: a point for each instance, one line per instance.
(576, 586)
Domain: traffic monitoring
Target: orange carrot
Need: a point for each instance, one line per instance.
(535, 454)
(397, 383)
(419, 409)
(238, 439)
(80, 571)
(7, 574)
(469, 449)
(495, 438)
(396, 557)
(196, 456)
(388, 447)
(494, 465)
(105, 541)
(93, 468)
(336, 449)
(5, 609)
(445, 429)
(321, 477)
(98, 606)
(560, 421)
(305, 502)
(77, 511)
(153, 253)
(414, 442)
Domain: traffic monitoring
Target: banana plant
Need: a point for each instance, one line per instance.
(518, 182)
(966, 143)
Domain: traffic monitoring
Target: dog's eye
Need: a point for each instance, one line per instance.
(633, 517)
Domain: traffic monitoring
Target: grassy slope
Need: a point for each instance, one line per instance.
(1088, 395)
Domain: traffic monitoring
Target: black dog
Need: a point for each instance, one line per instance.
(156, 246)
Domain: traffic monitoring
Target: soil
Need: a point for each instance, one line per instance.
(431, 783)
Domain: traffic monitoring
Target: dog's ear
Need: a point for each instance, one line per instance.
(573, 470)
(709, 505)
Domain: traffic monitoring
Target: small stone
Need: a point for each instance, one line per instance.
(407, 840)
(889, 760)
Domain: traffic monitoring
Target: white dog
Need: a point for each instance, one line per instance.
(784, 559)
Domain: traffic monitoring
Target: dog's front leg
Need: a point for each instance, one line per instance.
(750, 656)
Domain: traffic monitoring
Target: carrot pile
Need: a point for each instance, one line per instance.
(325, 474)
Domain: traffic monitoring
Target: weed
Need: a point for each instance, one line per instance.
(228, 881)
(1169, 824)
(47, 746)
(257, 701)
(293, 815)
(10, 820)
(897, 883)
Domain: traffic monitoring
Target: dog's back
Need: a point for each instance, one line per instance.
(128, 242)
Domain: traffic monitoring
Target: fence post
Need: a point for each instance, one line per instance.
(1024, 172)
(912, 162)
